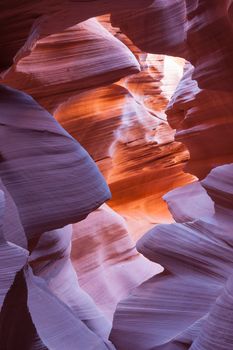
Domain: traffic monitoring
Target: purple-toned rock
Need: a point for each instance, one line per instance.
(179, 306)
(52, 179)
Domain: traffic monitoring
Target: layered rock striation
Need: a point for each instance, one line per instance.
(123, 125)
(108, 85)
(186, 306)
(30, 306)
(196, 256)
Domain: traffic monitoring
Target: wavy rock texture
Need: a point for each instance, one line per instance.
(189, 208)
(124, 133)
(83, 71)
(196, 255)
(106, 260)
(200, 31)
(25, 320)
(197, 259)
(56, 69)
(25, 23)
(129, 117)
(13, 257)
(52, 83)
(202, 106)
(51, 260)
(52, 312)
(25, 123)
(59, 285)
(13, 230)
(200, 117)
(165, 36)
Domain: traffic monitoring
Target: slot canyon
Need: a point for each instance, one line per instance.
(116, 175)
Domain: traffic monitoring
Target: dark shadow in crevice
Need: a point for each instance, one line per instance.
(17, 330)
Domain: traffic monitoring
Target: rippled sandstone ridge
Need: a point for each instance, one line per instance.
(128, 102)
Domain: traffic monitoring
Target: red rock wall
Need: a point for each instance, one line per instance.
(109, 88)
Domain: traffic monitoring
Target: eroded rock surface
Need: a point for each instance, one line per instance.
(197, 258)
(106, 260)
(109, 86)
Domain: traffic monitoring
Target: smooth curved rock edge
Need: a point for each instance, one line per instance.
(200, 31)
(52, 292)
(189, 305)
(40, 170)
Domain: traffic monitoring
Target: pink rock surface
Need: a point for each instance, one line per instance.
(203, 103)
(201, 117)
(131, 146)
(56, 68)
(68, 315)
(25, 23)
(197, 258)
(52, 311)
(129, 118)
(195, 203)
(106, 260)
(166, 35)
(50, 260)
(56, 52)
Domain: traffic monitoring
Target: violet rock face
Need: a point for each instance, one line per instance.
(129, 102)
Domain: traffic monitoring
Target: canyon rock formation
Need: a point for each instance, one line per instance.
(129, 102)
(197, 259)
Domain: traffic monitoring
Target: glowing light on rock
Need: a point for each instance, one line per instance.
(172, 69)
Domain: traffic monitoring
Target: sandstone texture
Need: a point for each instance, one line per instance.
(129, 103)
